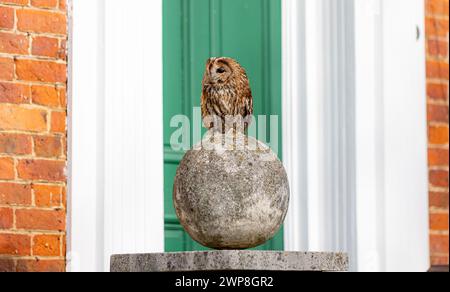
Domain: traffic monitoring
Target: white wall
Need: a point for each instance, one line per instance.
(116, 149)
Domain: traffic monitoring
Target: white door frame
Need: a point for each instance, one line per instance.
(318, 103)
(116, 129)
(352, 188)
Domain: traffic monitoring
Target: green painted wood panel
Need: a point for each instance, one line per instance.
(195, 30)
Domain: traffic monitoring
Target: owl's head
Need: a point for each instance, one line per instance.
(219, 71)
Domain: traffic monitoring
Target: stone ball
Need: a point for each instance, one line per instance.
(231, 192)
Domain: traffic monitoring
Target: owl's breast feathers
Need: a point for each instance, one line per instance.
(226, 101)
(226, 92)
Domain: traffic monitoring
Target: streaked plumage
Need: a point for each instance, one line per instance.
(226, 92)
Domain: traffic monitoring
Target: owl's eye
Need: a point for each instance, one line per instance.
(221, 70)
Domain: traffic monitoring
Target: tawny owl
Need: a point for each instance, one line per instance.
(226, 93)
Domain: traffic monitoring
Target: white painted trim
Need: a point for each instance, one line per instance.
(353, 188)
(406, 137)
(392, 171)
(317, 85)
(84, 245)
(294, 124)
(314, 119)
(371, 238)
(116, 184)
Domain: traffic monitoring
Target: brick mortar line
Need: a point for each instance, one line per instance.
(436, 255)
(23, 183)
(48, 184)
(36, 107)
(33, 198)
(436, 16)
(7, 206)
(30, 232)
(16, 19)
(30, 207)
(33, 8)
(11, 30)
(433, 101)
(33, 58)
(28, 133)
(38, 135)
(439, 254)
(33, 207)
(437, 124)
(437, 38)
(16, 163)
(14, 218)
(31, 244)
(438, 146)
(32, 34)
(443, 167)
(49, 121)
(26, 82)
(435, 189)
(441, 60)
(31, 157)
(38, 182)
(437, 81)
(34, 258)
(61, 246)
(33, 146)
(438, 59)
(438, 102)
(439, 232)
(439, 210)
(29, 182)
(62, 141)
(35, 83)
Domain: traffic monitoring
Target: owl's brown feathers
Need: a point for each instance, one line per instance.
(226, 92)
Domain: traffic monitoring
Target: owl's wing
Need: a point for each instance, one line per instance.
(248, 107)
(248, 103)
(204, 106)
(205, 113)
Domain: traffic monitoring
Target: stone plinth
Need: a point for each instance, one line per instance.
(231, 192)
(230, 261)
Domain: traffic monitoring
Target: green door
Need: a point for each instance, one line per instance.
(195, 30)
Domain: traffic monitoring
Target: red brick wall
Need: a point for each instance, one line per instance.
(437, 75)
(33, 78)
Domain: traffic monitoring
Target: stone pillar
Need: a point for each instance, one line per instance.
(231, 260)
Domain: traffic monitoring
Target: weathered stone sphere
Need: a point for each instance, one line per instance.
(231, 192)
